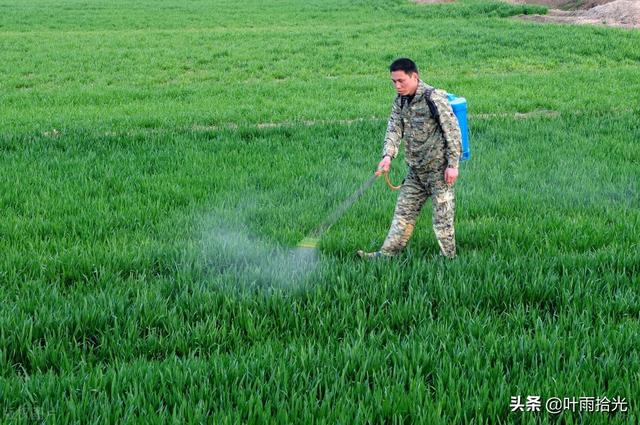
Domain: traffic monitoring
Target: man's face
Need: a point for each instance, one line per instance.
(405, 84)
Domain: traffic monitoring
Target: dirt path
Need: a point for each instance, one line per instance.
(564, 4)
(615, 13)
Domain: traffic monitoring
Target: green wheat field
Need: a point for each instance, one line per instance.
(161, 159)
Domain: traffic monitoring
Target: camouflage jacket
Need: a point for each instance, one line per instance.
(429, 144)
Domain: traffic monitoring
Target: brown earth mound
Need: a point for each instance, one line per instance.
(616, 13)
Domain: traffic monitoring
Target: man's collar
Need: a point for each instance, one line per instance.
(422, 88)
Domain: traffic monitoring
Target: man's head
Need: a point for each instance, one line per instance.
(404, 75)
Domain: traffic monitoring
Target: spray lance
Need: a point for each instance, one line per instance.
(312, 239)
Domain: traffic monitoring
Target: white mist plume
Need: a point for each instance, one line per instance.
(228, 248)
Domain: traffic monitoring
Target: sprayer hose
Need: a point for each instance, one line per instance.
(388, 180)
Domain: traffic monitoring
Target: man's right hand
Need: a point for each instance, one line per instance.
(384, 165)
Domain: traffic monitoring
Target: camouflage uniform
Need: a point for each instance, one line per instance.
(432, 145)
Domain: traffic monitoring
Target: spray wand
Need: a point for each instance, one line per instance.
(312, 239)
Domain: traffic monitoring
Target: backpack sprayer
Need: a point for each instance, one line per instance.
(459, 106)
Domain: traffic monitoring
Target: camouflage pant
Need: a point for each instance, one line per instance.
(417, 187)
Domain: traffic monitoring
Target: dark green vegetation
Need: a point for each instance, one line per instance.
(132, 134)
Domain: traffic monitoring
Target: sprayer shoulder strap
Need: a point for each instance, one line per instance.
(431, 104)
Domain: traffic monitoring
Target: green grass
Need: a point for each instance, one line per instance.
(148, 213)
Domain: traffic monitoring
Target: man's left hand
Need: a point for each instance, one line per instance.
(450, 175)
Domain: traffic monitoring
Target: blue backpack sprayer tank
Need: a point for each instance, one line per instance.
(459, 106)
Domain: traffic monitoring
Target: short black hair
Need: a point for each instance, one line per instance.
(404, 64)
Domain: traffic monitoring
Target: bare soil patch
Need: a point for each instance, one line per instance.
(433, 1)
(564, 4)
(615, 13)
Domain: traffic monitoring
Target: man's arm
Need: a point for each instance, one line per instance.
(450, 128)
(395, 131)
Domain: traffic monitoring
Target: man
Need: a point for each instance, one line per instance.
(432, 151)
